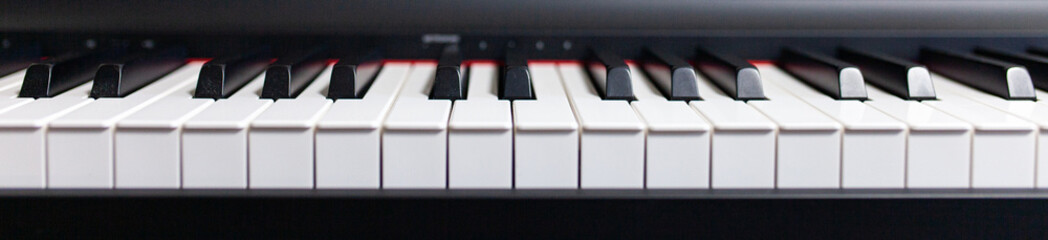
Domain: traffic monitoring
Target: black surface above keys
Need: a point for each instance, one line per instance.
(833, 77)
(450, 82)
(903, 78)
(999, 78)
(610, 75)
(515, 82)
(17, 57)
(288, 76)
(735, 76)
(124, 76)
(52, 76)
(221, 77)
(673, 76)
(352, 76)
(1037, 66)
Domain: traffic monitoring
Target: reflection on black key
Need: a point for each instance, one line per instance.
(737, 77)
(449, 83)
(17, 57)
(610, 75)
(221, 77)
(838, 79)
(55, 75)
(1036, 65)
(121, 77)
(289, 75)
(999, 78)
(516, 79)
(352, 76)
(673, 76)
(904, 78)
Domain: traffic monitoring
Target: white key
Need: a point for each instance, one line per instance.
(873, 148)
(13, 80)
(809, 142)
(22, 140)
(10, 85)
(938, 146)
(1028, 110)
(214, 142)
(1003, 145)
(480, 136)
(280, 142)
(1042, 147)
(743, 143)
(546, 142)
(612, 142)
(349, 135)
(148, 142)
(414, 143)
(678, 140)
(253, 90)
(80, 144)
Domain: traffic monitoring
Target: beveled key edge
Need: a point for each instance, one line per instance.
(917, 80)
(683, 81)
(747, 79)
(618, 84)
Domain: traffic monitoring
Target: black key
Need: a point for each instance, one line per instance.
(904, 78)
(17, 57)
(1036, 65)
(352, 76)
(449, 83)
(673, 76)
(999, 78)
(53, 76)
(735, 76)
(516, 79)
(221, 77)
(610, 75)
(288, 76)
(833, 77)
(124, 76)
(1040, 51)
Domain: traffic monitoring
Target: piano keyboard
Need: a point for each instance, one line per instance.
(856, 119)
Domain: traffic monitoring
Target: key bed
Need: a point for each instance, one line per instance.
(384, 129)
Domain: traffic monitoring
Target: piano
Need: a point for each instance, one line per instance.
(623, 119)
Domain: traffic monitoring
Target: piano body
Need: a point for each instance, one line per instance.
(577, 118)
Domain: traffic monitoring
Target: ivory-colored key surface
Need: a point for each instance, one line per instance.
(280, 141)
(349, 135)
(214, 142)
(612, 141)
(480, 136)
(873, 144)
(677, 150)
(23, 137)
(742, 152)
(80, 146)
(414, 142)
(546, 138)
